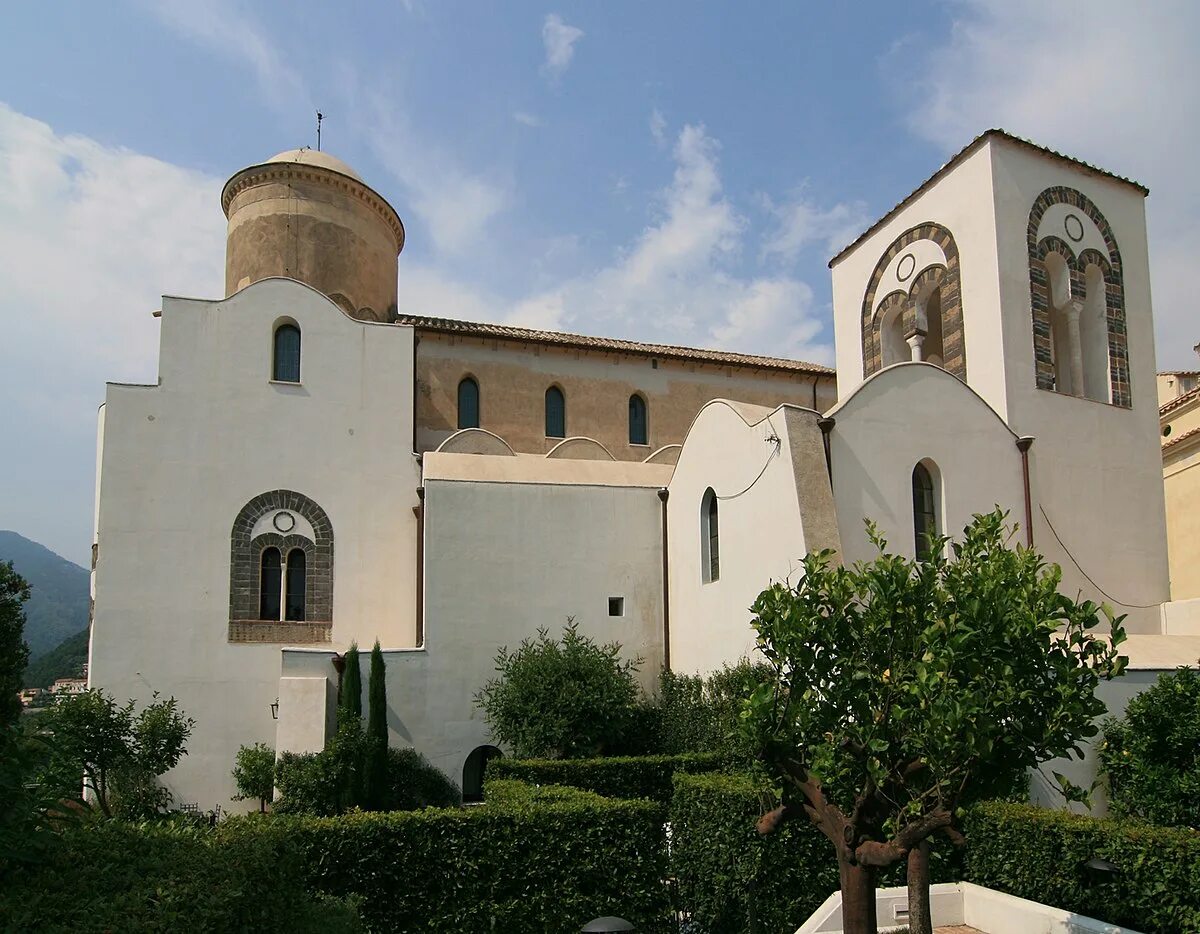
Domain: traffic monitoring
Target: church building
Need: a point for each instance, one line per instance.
(317, 465)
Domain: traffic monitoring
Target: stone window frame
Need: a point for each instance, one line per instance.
(954, 348)
(245, 563)
(1120, 388)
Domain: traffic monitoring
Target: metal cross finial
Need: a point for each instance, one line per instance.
(320, 117)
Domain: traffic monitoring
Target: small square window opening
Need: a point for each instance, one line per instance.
(616, 606)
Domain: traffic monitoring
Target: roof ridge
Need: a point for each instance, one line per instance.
(1172, 404)
(516, 332)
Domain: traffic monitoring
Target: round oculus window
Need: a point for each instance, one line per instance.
(1074, 227)
(905, 267)
(284, 522)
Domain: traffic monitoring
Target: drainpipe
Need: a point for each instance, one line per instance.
(419, 513)
(826, 426)
(1023, 445)
(666, 575)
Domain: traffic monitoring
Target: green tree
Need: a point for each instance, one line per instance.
(254, 774)
(1151, 756)
(115, 753)
(376, 770)
(14, 653)
(350, 698)
(561, 699)
(902, 688)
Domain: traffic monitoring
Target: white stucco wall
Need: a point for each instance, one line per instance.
(180, 459)
(1097, 468)
(731, 449)
(900, 416)
(503, 559)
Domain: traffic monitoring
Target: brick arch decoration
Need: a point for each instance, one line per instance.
(1114, 290)
(244, 558)
(953, 346)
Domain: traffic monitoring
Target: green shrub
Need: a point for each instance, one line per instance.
(115, 876)
(731, 879)
(698, 714)
(254, 774)
(1040, 855)
(614, 777)
(1152, 755)
(534, 860)
(561, 699)
(412, 782)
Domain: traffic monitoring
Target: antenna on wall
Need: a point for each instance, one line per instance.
(320, 117)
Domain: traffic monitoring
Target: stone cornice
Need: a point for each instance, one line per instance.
(294, 171)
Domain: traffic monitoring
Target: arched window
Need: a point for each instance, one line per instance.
(924, 510)
(468, 403)
(893, 347)
(638, 433)
(556, 413)
(294, 596)
(473, 772)
(269, 579)
(710, 538)
(286, 361)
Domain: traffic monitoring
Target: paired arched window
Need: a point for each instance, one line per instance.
(710, 538)
(285, 361)
(468, 403)
(556, 413)
(277, 590)
(925, 524)
(638, 433)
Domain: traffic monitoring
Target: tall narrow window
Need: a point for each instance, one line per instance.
(710, 538)
(468, 403)
(269, 579)
(294, 606)
(556, 413)
(637, 420)
(924, 510)
(286, 364)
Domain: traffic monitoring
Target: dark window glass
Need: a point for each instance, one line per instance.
(924, 515)
(711, 543)
(295, 586)
(637, 420)
(268, 584)
(468, 404)
(287, 354)
(556, 413)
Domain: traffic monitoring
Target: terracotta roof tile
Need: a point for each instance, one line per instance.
(962, 154)
(1179, 439)
(559, 339)
(1178, 402)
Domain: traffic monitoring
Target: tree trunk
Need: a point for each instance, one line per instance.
(920, 921)
(858, 897)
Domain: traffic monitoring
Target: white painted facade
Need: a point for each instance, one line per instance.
(445, 557)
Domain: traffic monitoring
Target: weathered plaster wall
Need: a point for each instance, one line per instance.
(513, 379)
(1181, 482)
(180, 459)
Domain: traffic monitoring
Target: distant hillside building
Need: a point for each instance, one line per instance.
(316, 465)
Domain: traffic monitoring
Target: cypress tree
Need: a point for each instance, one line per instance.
(377, 732)
(350, 703)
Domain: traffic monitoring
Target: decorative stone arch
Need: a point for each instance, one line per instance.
(945, 277)
(246, 550)
(1120, 392)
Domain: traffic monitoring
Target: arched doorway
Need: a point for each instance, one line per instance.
(473, 769)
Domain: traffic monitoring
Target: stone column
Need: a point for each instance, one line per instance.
(1073, 309)
(915, 341)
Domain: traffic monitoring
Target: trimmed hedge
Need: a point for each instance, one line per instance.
(114, 876)
(1039, 854)
(730, 879)
(546, 860)
(614, 777)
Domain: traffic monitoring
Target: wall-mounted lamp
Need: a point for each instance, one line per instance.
(275, 709)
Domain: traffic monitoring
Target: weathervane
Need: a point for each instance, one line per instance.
(320, 117)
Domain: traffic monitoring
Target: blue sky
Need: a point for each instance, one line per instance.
(674, 172)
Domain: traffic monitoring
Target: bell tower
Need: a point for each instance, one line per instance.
(306, 215)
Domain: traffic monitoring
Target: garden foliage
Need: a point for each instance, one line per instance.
(561, 699)
(254, 774)
(700, 714)
(14, 653)
(1152, 755)
(1041, 855)
(614, 777)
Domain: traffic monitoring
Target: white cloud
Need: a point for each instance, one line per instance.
(559, 40)
(800, 223)
(91, 236)
(527, 119)
(1102, 83)
(658, 127)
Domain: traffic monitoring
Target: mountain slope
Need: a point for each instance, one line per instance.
(58, 607)
(64, 661)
